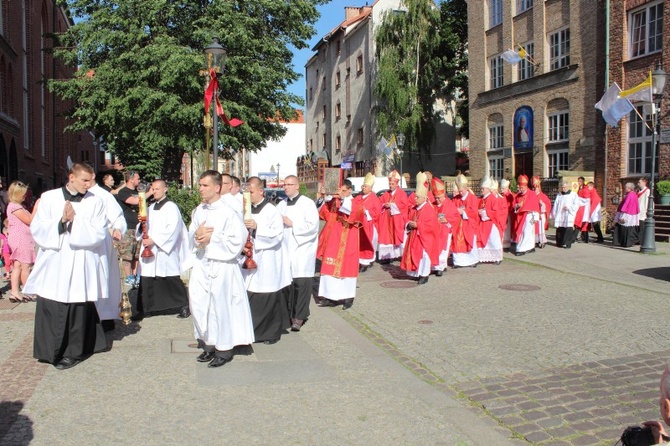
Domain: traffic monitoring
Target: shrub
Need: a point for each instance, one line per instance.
(663, 187)
(185, 199)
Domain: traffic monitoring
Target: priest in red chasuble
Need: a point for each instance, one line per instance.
(526, 212)
(392, 219)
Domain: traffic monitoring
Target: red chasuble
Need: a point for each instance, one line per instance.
(328, 213)
(339, 248)
(452, 216)
(423, 238)
(371, 204)
(392, 227)
(524, 203)
(491, 204)
(464, 233)
(579, 216)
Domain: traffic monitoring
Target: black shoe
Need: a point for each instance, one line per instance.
(497, 263)
(348, 303)
(385, 262)
(439, 273)
(108, 325)
(205, 357)
(362, 268)
(218, 361)
(327, 303)
(67, 363)
(270, 342)
(184, 312)
(422, 280)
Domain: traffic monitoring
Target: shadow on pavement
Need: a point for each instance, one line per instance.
(662, 273)
(9, 416)
(121, 331)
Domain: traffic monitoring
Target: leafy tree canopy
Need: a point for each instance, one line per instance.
(138, 83)
(422, 56)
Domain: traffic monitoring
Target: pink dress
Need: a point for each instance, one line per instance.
(20, 240)
(6, 252)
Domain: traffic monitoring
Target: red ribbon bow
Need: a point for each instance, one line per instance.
(209, 93)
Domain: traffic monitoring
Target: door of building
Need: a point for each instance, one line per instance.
(523, 164)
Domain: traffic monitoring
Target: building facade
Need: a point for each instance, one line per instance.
(639, 31)
(340, 120)
(34, 147)
(536, 116)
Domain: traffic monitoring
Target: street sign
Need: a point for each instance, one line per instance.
(665, 136)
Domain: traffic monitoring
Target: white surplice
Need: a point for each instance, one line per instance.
(171, 254)
(273, 273)
(71, 267)
(565, 209)
(301, 240)
(217, 295)
(109, 308)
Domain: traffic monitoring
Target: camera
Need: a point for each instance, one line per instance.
(637, 436)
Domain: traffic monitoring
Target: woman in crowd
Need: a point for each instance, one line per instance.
(20, 240)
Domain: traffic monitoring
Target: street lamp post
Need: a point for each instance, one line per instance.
(401, 143)
(278, 165)
(658, 79)
(216, 57)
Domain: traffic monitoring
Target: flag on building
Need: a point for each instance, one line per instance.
(382, 147)
(641, 92)
(613, 106)
(511, 57)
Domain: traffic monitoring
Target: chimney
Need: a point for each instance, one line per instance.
(351, 11)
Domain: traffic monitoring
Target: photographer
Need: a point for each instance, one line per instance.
(640, 435)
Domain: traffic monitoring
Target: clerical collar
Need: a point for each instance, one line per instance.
(419, 206)
(567, 192)
(159, 204)
(256, 208)
(70, 196)
(292, 201)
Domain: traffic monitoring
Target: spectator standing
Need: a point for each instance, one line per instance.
(108, 182)
(20, 240)
(6, 250)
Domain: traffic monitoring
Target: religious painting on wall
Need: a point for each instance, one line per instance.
(332, 180)
(523, 128)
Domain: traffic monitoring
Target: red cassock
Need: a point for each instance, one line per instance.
(491, 204)
(503, 211)
(466, 230)
(391, 228)
(452, 216)
(595, 201)
(423, 238)
(371, 204)
(524, 203)
(339, 247)
(579, 216)
(542, 198)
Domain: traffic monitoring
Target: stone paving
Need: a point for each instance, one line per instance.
(559, 347)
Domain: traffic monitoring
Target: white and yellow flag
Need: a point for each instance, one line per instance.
(641, 92)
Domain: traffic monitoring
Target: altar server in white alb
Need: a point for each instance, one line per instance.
(217, 296)
(266, 283)
(70, 272)
(161, 287)
(301, 231)
(563, 213)
(108, 309)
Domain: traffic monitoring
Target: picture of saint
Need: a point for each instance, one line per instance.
(523, 128)
(521, 131)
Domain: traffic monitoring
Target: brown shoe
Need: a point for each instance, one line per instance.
(297, 324)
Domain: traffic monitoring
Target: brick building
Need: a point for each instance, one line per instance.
(639, 32)
(33, 145)
(535, 117)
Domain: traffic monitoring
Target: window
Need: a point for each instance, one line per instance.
(323, 83)
(2, 6)
(496, 71)
(526, 69)
(338, 144)
(495, 12)
(311, 145)
(496, 167)
(639, 141)
(558, 160)
(646, 29)
(523, 5)
(359, 64)
(337, 79)
(339, 47)
(323, 114)
(311, 94)
(359, 137)
(558, 126)
(559, 49)
(323, 141)
(496, 136)
(338, 111)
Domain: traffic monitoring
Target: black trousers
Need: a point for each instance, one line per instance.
(598, 231)
(300, 293)
(565, 236)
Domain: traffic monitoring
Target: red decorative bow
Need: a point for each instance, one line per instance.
(209, 92)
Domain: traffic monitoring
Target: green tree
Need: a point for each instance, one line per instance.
(421, 58)
(138, 84)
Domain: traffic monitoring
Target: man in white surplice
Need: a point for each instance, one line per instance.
(301, 231)
(217, 295)
(266, 283)
(563, 212)
(70, 273)
(161, 287)
(108, 309)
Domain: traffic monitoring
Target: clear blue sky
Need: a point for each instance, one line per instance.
(332, 14)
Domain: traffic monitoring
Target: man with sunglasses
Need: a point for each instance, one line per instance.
(130, 203)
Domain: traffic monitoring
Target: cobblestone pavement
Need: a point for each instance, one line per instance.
(559, 347)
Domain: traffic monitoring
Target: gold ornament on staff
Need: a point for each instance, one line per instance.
(249, 263)
(125, 309)
(142, 217)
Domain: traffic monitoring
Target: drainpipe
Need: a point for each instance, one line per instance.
(607, 83)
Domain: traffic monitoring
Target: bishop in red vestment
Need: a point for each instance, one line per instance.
(392, 219)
